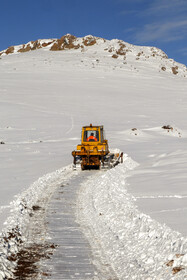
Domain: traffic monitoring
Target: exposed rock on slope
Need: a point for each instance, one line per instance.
(117, 49)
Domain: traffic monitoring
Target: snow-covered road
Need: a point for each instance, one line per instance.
(97, 227)
(73, 257)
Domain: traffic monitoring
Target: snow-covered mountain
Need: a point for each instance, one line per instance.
(49, 89)
(137, 57)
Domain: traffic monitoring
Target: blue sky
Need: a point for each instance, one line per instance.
(160, 23)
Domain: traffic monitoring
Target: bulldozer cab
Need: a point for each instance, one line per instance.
(92, 134)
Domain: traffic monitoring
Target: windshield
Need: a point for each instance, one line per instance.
(91, 136)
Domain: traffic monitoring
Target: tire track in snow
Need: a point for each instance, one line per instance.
(72, 125)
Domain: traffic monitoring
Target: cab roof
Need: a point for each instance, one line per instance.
(93, 126)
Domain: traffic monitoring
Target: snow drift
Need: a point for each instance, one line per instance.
(136, 246)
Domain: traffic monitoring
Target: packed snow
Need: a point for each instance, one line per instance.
(143, 248)
(15, 231)
(45, 99)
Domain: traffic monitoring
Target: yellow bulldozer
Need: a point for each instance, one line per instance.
(93, 152)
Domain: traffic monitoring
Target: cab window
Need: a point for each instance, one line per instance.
(91, 136)
(102, 139)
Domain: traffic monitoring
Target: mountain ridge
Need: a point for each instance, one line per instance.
(116, 49)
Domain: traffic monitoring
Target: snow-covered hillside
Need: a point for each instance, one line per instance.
(137, 57)
(137, 93)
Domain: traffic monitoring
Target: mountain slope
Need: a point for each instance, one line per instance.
(47, 96)
(137, 56)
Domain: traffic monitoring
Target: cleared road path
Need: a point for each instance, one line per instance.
(72, 258)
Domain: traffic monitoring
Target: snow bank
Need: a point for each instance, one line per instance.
(136, 246)
(15, 232)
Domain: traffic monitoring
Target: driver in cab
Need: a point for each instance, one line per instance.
(91, 137)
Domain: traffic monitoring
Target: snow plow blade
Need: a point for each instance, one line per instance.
(93, 152)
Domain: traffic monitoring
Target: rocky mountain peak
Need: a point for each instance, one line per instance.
(116, 49)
